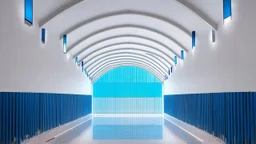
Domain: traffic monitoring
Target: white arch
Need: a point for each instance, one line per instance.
(113, 66)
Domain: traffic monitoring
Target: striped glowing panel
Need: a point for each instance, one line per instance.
(127, 90)
(193, 39)
(227, 9)
(43, 38)
(64, 43)
(28, 7)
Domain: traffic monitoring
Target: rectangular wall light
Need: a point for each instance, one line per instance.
(175, 60)
(193, 39)
(43, 33)
(182, 54)
(169, 72)
(64, 43)
(82, 66)
(171, 69)
(28, 7)
(227, 9)
(213, 36)
(76, 60)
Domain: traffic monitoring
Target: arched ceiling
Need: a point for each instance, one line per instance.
(144, 33)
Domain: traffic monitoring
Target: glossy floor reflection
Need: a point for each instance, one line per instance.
(134, 130)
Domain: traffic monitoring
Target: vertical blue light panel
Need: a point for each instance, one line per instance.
(28, 12)
(227, 9)
(82, 66)
(76, 60)
(65, 43)
(182, 54)
(171, 69)
(193, 39)
(175, 60)
(43, 35)
(169, 72)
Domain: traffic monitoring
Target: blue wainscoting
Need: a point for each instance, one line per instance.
(228, 116)
(25, 114)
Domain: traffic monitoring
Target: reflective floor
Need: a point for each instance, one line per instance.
(110, 130)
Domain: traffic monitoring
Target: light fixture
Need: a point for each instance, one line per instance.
(227, 10)
(28, 7)
(43, 32)
(193, 39)
(175, 60)
(182, 54)
(65, 44)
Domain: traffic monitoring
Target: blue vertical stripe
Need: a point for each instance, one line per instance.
(28, 7)
(175, 60)
(227, 9)
(64, 43)
(193, 39)
(182, 54)
(43, 33)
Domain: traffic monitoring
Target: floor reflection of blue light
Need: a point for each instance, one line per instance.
(127, 128)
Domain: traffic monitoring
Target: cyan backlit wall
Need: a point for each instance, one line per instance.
(25, 114)
(228, 116)
(127, 90)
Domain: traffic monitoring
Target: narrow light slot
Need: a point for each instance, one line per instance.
(227, 10)
(28, 7)
(76, 60)
(65, 44)
(182, 54)
(213, 36)
(175, 60)
(169, 72)
(43, 38)
(193, 39)
(82, 66)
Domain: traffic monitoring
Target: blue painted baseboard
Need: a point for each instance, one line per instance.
(25, 114)
(228, 116)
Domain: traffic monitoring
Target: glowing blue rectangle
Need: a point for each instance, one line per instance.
(171, 69)
(175, 60)
(227, 9)
(169, 72)
(76, 60)
(65, 43)
(28, 12)
(82, 66)
(193, 39)
(182, 54)
(43, 35)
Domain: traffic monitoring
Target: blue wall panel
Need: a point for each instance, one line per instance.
(228, 116)
(25, 114)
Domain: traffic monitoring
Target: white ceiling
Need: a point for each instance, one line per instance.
(164, 26)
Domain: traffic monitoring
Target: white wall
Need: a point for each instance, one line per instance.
(26, 65)
(226, 66)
